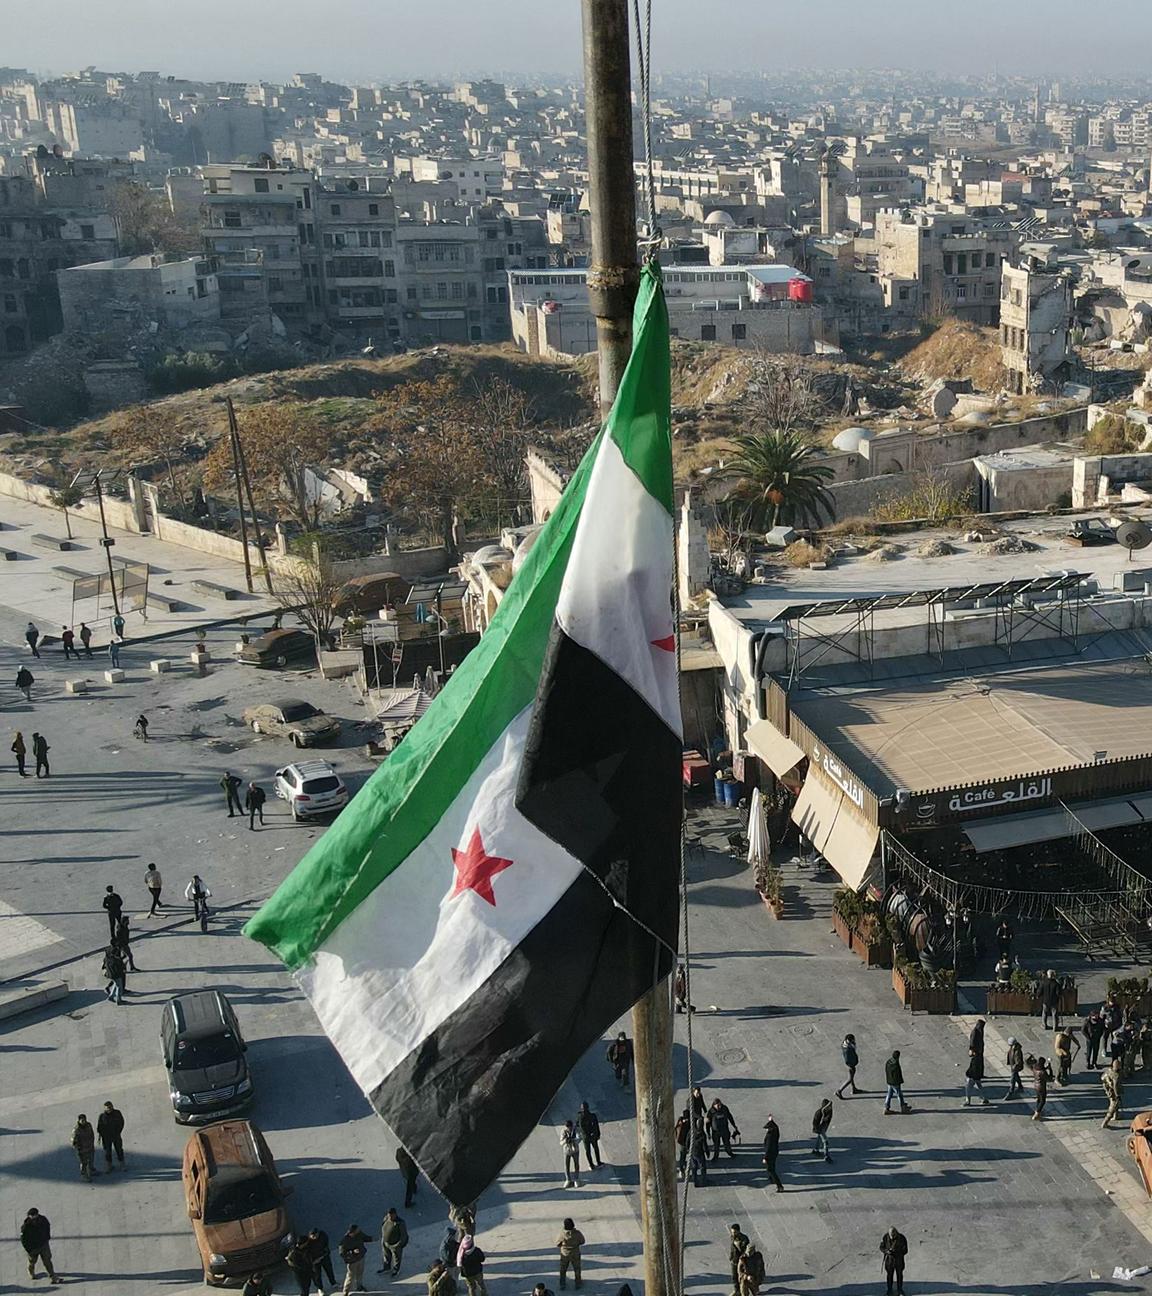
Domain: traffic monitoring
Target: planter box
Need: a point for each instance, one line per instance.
(1003, 1003)
(841, 929)
(877, 953)
(1070, 1003)
(774, 907)
(929, 1001)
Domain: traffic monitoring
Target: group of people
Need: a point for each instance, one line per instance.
(108, 1132)
(583, 1131)
(69, 636)
(254, 799)
(40, 749)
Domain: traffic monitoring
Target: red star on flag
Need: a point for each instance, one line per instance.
(668, 643)
(475, 869)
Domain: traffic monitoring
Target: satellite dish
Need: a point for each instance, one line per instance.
(1133, 535)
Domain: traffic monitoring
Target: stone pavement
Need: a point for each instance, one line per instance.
(991, 1202)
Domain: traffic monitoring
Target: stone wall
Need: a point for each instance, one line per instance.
(120, 514)
(860, 498)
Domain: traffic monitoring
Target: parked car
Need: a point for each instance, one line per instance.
(1140, 1147)
(368, 594)
(279, 647)
(1090, 531)
(311, 788)
(300, 722)
(235, 1201)
(204, 1053)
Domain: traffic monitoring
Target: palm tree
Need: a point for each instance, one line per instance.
(780, 480)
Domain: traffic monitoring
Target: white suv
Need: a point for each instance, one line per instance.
(311, 787)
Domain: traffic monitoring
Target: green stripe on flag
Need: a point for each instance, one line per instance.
(408, 795)
(640, 421)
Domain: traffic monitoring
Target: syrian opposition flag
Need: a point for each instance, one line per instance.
(505, 885)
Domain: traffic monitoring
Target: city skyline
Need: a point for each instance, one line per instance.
(387, 43)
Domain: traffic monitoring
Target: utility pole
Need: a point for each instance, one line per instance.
(613, 278)
(234, 438)
(106, 543)
(257, 534)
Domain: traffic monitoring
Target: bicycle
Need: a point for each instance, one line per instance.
(201, 912)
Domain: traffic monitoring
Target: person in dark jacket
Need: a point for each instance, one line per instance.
(257, 1284)
(683, 1134)
(620, 1057)
(24, 681)
(35, 1236)
(113, 968)
(772, 1151)
(568, 1244)
(851, 1061)
(894, 1079)
(410, 1172)
(393, 1240)
(449, 1246)
(40, 750)
(974, 1075)
(1004, 938)
(894, 1249)
(86, 638)
(67, 642)
(1014, 1060)
(698, 1152)
(299, 1261)
(231, 786)
(1093, 1034)
(110, 1132)
(254, 804)
(680, 989)
(1050, 998)
(471, 1262)
(1041, 1070)
(699, 1103)
(737, 1246)
(84, 1145)
(32, 635)
(353, 1248)
(20, 751)
(721, 1124)
(320, 1253)
(112, 904)
(123, 941)
(820, 1122)
(588, 1123)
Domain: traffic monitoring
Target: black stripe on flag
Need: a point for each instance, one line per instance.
(602, 778)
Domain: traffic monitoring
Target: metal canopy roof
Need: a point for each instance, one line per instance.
(922, 598)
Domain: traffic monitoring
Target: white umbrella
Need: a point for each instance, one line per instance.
(759, 844)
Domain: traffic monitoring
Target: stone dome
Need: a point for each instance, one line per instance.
(851, 439)
(720, 218)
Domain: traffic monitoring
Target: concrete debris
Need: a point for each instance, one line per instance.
(935, 549)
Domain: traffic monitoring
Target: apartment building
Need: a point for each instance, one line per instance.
(1035, 313)
(360, 257)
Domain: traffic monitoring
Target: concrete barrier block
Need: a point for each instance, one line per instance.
(197, 657)
(115, 676)
(76, 686)
(159, 665)
(15, 1002)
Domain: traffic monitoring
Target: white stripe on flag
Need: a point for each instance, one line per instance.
(616, 599)
(412, 953)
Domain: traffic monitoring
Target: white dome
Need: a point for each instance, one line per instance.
(851, 439)
(720, 218)
(491, 554)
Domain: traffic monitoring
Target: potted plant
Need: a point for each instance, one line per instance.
(920, 991)
(1018, 996)
(860, 924)
(770, 886)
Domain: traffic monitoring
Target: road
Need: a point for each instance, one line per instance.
(990, 1201)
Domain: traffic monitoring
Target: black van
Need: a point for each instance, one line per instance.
(204, 1053)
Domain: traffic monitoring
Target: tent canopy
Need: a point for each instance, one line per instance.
(778, 752)
(826, 817)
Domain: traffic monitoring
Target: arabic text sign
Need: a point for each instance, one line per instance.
(1000, 794)
(839, 775)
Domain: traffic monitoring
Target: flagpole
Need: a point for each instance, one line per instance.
(613, 278)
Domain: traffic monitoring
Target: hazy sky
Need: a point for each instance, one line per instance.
(360, 40)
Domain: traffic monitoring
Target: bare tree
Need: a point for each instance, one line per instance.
(782, 396)
(64, 497)
(734, 525)
(307, 587)
(502, 414)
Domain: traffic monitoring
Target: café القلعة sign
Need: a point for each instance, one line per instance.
(999, 794)
(836, 772)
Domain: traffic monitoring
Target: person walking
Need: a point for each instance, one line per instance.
(570, 1146)
(568, 1244)
(393, 1240)
(1065, 1046)
(254, 804)
(680, 989)
(820, 1122)
(320, 1253)
(698, 1102)
(114, 652)
(155, 884)
(410, 1172)
(772, 1150)
(750, 1271)
(721, 1125)
(110, 1132)
(1004, 938)
(84, 1145)
(20, 752)
(698, 1152)
(851, 1061)
(24, 681)
(894, 1249)
(1113, 1016)
(1041, 1077)
(1113, 1082)
(300, 1262)
(114, 970)
(67, 642)
(33, 637)
(682, 1133)
(118, 626)
(449, 1246)
(470, 1262)
(620, 1057)
(737, 1248)
(974, 1076)
(353, 1248)
(1014, 1061)
(112, 905)
(35, 1238)
(123, 942)
(231, 785)
(86, 638)
(197, 891)
(1050, 998)
(588, 1125)
(894, 1080)
(1093, 1029)
(40, 751)
(441, 1280)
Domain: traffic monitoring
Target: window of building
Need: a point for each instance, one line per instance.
(212, 186)
(335, 209)
(10, 304)
(260, 185)
(307, 199)
(961, 290)
(23, 270)
(333, 297)
(707, 332)
(391, 296)
(989, 259)
(275, 284)
(442, 290)
(948, 263)
(457, 291)
(389, 269)
(373, 209)
(989, 290)
(87, 231)
(5, 268)
(364, 239)
(739, 332)
(385, 239)
(425, 292)
(492, 296)
(903, 294)
(410, 292)
(373, 238)
(473, 293)
(231, 219)
(491, 233)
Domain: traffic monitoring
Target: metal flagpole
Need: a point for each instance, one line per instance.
(613, 279)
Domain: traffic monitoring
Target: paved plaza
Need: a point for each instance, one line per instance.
(990, 1201)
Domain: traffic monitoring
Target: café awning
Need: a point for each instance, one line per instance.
(778, 752)
(1006, 831)
(826, 816)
